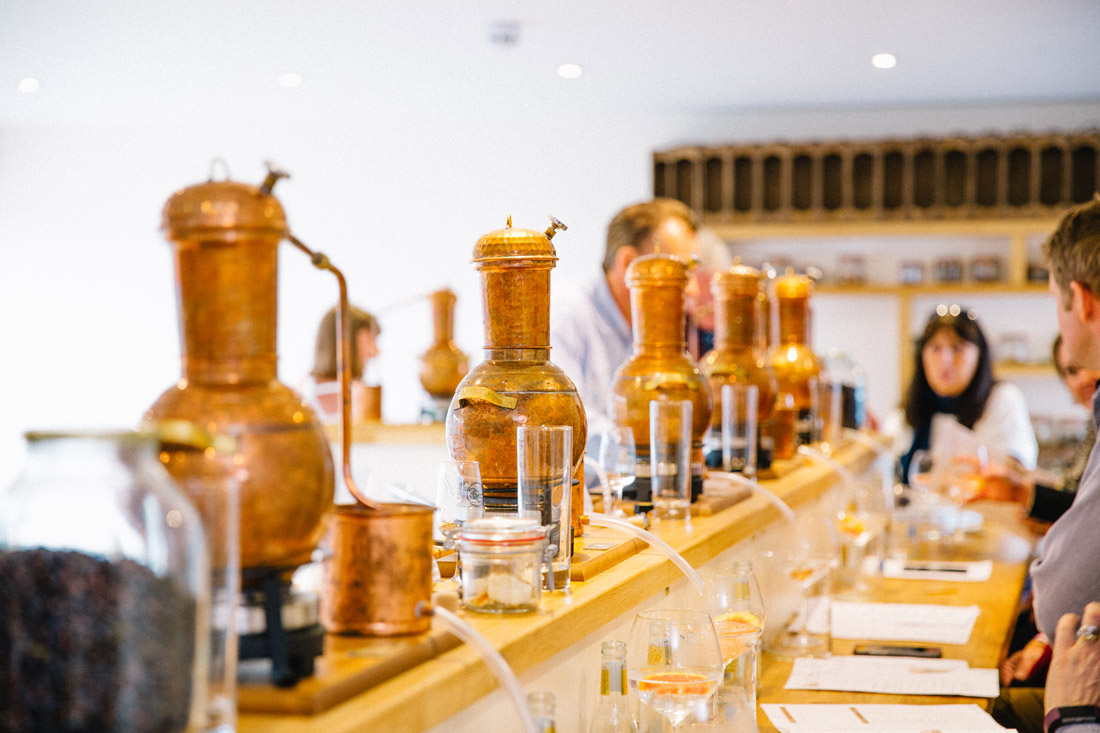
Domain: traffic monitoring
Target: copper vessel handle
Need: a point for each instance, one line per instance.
(343, 361)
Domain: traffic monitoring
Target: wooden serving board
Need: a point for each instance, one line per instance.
(352, 664)
(599, 549)
(348, 666)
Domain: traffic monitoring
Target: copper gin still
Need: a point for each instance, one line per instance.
(659, 367)
(516, 384)
(443, 365)
(739, 356)
(796, 365)
(225, 236)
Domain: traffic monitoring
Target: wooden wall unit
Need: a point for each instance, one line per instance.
(1010, 188)
(987, 177)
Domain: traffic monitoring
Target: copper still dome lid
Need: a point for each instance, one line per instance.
(793, 286)
(503, 245)
(223, 210)
(737, 279)
(658, 269)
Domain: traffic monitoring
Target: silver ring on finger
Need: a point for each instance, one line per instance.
(1088, 633)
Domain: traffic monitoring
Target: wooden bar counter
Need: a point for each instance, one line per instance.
(557, 647)
(1004, 541)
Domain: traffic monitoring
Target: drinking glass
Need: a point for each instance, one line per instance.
(618, 460)
(544, 462)
(670, 458)
(458, 497)
(809, 560)
(674, 663)
(861, 528)
(739, 412)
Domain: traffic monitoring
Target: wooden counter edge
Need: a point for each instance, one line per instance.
(437, 689)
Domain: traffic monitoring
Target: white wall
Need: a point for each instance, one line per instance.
(86, 287)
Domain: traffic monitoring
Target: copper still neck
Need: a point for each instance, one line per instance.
(227, 310)
(738, 313)
(657, 283)
(792, 297)
(443, 318)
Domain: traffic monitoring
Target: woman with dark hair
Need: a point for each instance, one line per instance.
(323, 392)
(953, 378)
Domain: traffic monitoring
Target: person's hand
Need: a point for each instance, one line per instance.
(1005, 483)
(1027, 662)
(1074, 676)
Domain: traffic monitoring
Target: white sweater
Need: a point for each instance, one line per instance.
(1004, 427)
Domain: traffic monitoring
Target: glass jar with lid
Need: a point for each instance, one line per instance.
(106, 590)
(501, 559)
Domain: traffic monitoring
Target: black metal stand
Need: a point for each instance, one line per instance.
(292, 652)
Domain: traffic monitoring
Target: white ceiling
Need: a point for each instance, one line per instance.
(118, 61)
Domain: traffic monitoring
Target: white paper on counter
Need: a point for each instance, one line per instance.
(817, 717)
(924, 622)
(893, 676)
(962, 572)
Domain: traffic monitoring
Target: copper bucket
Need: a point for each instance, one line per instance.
(380, 569)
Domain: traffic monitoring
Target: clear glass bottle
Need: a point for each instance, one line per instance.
(542, 704)
(613, 713)
(106, 590)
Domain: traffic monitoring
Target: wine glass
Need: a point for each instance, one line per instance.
(674, 663)
(944, 483)
(458, 497)
(618, 460)
(809, 559)
(732, 597)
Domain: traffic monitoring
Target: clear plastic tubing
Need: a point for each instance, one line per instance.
(866, 440)
(602, 520)
(783, 507)
(491, 656)
(819, 457)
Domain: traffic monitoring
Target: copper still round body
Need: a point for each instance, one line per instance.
(797, 367)
(659, 367)
(443, 365)
(739, 356)
(517, 384)
(225, 237)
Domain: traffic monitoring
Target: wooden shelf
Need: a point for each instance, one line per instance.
(1014, 232)
(1016, 370)
(912, 291)
(992, 227)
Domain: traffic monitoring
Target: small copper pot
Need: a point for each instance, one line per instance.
(380, 568)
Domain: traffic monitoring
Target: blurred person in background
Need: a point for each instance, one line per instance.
(1047, 496)
(953, 377)
(322, 388)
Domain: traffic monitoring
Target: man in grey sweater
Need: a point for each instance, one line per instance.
(1066, 570)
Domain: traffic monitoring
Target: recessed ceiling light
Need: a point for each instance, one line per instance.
(569, 71)
(30, 85)
(884, 61)
(290, 81)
